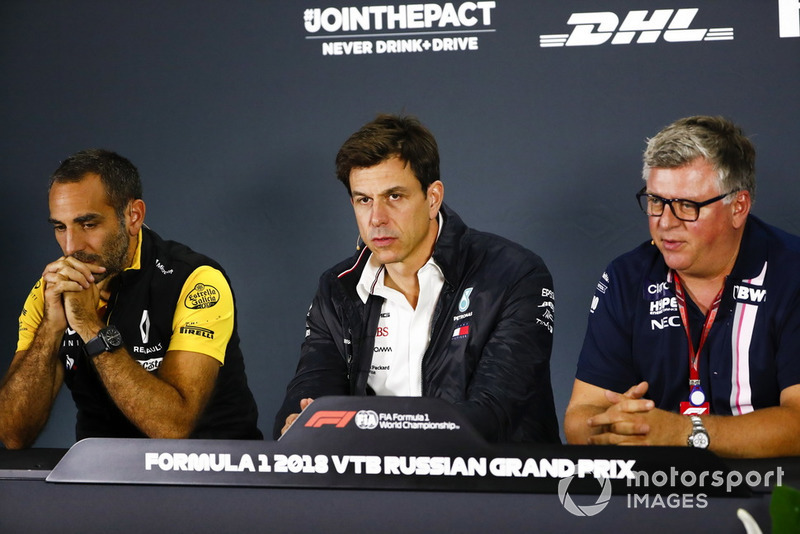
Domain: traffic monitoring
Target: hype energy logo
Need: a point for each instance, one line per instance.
(399, 29)
(637, 27)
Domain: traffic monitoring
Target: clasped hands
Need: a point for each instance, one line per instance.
(634, 420)
(71, 295)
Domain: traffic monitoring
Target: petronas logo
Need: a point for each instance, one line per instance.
(463, 304)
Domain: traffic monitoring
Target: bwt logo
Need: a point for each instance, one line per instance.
(327, 417)
(749, 294)
(592, 29)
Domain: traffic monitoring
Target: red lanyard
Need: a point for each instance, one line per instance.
(694, 355)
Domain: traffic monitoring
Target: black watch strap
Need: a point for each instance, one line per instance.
(108, 339)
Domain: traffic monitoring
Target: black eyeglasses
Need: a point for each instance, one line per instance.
(685, 210)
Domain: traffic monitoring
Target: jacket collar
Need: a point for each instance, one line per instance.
(752, 250)
(448, 247)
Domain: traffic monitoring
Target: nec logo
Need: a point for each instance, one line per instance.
(326, 417)
(749, 294)
(665, 322)
(592, 29)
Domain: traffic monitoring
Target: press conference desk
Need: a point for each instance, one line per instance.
(33, 506)
(408, 465)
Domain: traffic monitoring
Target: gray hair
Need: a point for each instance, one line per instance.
(716, 139)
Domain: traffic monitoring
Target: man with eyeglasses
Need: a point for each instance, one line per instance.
(694, 337)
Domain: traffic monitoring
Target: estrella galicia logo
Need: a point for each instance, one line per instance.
(202, 296)
(587, 510)
(463, 304)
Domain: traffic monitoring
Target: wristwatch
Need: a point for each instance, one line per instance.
(699, 436)
(108, 339)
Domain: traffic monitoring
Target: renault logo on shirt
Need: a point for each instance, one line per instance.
(144, 327)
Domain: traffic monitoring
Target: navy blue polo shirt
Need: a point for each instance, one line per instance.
(752, 352)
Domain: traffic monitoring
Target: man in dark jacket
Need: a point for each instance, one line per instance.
(430, 307)
(142, 330)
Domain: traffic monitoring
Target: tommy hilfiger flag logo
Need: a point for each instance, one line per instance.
(461, 331)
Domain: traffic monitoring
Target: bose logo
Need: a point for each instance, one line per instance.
(326, 417)
(592, 29)
(749, 294)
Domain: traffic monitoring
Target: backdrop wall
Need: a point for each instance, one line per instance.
(233, 112)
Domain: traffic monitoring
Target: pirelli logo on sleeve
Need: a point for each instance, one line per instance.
(197, 331)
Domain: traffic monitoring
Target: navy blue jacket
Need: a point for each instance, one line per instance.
(498, 374)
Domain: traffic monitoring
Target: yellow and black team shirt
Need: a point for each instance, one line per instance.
(170, 299)
(203, 323)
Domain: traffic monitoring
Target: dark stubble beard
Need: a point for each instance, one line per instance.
(114, 256)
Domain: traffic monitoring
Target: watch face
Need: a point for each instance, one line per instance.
(700, 440)
(112, 337)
